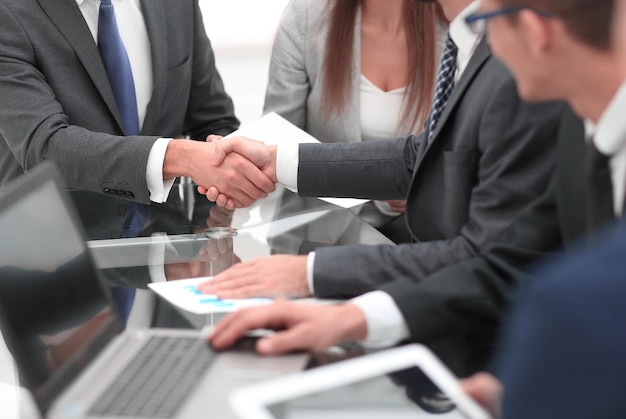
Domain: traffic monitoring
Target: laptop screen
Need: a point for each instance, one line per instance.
(55, 314)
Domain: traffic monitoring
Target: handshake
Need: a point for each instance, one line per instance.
(240, 170)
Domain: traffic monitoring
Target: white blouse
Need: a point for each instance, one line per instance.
(381, 112)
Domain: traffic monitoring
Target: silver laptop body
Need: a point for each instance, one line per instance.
(61, 325)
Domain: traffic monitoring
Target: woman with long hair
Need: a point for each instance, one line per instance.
(356, 70)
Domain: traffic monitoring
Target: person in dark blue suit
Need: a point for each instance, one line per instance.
(564, 347)
(567, 341)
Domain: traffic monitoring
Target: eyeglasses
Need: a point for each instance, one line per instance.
(477, 22)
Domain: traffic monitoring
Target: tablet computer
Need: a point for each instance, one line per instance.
(404, 382)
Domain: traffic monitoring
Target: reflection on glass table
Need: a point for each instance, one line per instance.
(282, 223)
(184, 238)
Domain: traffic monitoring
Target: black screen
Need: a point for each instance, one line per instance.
(55, 314)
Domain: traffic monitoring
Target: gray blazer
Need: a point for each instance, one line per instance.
(296, 78)
(491, 154)
(56, 102)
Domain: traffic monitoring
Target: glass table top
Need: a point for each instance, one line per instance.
(189, 237)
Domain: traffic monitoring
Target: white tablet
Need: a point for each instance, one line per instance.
(404, 382)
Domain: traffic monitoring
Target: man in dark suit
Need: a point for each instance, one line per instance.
(58, 100)
(564, 343)
(466, 300)
(464, 178)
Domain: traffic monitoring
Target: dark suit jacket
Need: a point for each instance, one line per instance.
(491, 155)
(564, 353)
(56, 102)
(465, 301)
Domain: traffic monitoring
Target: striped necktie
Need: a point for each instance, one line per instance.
(444, 85)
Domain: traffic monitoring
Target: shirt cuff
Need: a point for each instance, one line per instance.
(287, 160)
(310, 262)
(385, 208)
(385, 324)
(159, 189)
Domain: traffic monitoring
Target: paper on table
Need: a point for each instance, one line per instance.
(184, 294)
(273, 129)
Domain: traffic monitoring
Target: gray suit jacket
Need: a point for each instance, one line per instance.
(296, 77)
(491, 154)
(56, 102)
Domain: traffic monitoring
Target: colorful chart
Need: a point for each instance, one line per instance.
(186, 295)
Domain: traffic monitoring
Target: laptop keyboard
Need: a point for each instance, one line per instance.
(157, 380)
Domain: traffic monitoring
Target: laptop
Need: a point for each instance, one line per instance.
(68, 340)
(404, 382)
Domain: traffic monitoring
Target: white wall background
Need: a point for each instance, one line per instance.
(242, 32)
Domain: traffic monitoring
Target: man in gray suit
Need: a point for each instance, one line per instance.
(464, 181)
(56, 102)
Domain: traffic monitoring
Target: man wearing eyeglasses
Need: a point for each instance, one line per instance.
(563, 351)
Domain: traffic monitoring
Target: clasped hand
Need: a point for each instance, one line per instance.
(255, 152)
(213, 164)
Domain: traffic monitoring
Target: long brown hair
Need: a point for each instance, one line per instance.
(420, 20)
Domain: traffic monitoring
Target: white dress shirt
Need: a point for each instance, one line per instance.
(610, 140)
(385, 324)
(134, 34)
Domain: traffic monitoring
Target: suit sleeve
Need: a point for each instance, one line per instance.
(35, 128)
(469, 297)
(288, 85)
(371, 169)
(516, 144)
(210, 110)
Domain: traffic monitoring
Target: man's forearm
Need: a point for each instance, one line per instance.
(179, 158)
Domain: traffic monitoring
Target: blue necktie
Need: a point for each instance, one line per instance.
(117, 66)
(444, 85)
